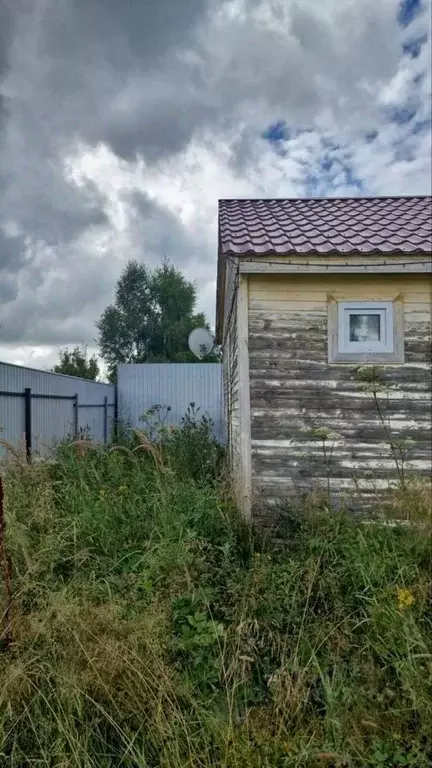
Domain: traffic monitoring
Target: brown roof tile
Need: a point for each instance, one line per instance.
(326, 225)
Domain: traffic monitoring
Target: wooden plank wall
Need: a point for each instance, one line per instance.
(231, 380)
(293, 388)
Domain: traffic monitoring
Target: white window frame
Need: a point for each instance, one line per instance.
(390, 348)
(384, 310)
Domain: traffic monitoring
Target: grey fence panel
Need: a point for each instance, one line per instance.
(92, 418)
(142, 386)
(52, 419)
(12, 424)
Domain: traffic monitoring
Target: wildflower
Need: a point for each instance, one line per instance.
(401, 442)
(122, 489)
(405, 598)
(325, 433)
(102, 493)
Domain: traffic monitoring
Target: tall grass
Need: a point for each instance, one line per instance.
(152, 627)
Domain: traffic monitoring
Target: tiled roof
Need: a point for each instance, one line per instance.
(331, 225)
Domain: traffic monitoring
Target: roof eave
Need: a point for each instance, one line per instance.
(317, 254)
(220, 289)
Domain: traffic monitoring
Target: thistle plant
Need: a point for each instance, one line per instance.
(373, 383)
(328, 438)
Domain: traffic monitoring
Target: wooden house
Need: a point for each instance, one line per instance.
(313, 297)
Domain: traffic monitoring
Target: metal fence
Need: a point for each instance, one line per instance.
(142, 386)
(39, 408)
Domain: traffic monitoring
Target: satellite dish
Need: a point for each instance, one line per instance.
(200, 342)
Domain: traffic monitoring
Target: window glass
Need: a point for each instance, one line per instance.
(364, 327)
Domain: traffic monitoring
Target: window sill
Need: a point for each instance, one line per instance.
(366, 357)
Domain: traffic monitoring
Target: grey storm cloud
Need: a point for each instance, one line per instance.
(73, 70)
(64, 310)
(5, 38)
(99, 69)
(159, 231)
(12, 249)
(144, 77)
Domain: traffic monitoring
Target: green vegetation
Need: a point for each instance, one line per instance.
(151, 318)
(76, 362)
(152, 627)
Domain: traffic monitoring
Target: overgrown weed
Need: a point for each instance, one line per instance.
(153, 627)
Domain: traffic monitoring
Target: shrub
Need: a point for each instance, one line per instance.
(191, 448)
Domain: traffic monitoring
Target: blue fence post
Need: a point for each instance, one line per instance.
(105, 430)
(116, 412)
(76, 414)
(28, 422)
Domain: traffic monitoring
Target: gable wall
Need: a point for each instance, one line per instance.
(293, 388)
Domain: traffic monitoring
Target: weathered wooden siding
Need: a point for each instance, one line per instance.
(236, 388)
(231, 389)
(293, 388)
(231, 377)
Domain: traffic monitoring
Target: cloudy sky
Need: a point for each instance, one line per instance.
(121, 123)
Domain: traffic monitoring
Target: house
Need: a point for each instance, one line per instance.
(308, 292)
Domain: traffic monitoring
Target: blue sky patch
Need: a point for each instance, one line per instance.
(421, 126)
(329, 175)
(276, 132)
(326, 164)
(408, 10)
(312, 185)
(352, 179)
(413, 47)
(402, 115)
(418, 78)
(371, 136)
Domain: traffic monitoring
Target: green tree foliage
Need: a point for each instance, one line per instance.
(150, 319)
(76, 362)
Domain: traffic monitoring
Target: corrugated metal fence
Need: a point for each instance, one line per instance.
(42, 408)
(176, 385)
(39, 409)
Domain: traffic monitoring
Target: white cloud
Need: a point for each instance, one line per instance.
(188, 125)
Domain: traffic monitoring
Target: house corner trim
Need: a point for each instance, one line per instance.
(244, 396)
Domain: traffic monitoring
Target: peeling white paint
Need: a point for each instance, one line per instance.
(414, 464)
(357, 457)
(410, 391)
(391, 394)
(315, 445)
(419, 392)
(397, 421)
(336, 483)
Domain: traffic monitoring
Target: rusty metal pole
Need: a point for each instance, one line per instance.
(5, 564)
